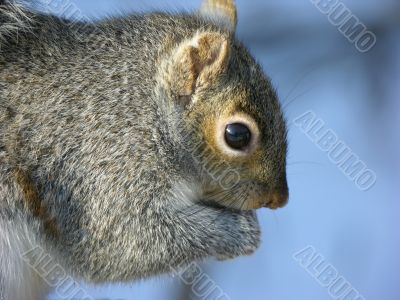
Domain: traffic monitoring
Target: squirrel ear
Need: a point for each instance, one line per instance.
(222, 12)
(198, 62)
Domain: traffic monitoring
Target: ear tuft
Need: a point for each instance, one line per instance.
(198, 62)
(221, 12)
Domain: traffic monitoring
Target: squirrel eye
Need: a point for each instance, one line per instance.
(237, 136)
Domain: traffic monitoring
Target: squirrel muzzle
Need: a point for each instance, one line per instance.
(251, 195)
(272, 200)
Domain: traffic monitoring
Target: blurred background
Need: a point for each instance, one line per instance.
(314, 67)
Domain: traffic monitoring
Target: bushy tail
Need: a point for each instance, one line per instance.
(14, 19)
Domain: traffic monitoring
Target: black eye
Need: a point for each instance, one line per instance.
(237, 136)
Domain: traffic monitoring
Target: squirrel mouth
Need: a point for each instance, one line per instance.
(217, 206)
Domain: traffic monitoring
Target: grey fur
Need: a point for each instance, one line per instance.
(84, 114)
(13, 19)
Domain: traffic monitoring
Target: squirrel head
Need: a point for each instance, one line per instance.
(231, 123)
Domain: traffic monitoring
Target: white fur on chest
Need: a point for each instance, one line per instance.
(18, 281)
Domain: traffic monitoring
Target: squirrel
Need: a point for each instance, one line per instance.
(132, 146)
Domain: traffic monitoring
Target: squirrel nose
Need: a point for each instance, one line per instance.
(280, 196)
(277, 200)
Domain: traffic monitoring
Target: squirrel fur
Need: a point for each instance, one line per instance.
(110, 148)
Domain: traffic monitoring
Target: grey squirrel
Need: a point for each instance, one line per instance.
(132, 145)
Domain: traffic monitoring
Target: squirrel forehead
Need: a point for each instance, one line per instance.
(256, 100)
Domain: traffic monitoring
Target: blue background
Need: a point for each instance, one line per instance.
(357, 95)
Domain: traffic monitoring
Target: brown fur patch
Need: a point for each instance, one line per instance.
(33, 203)
(213, 52)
